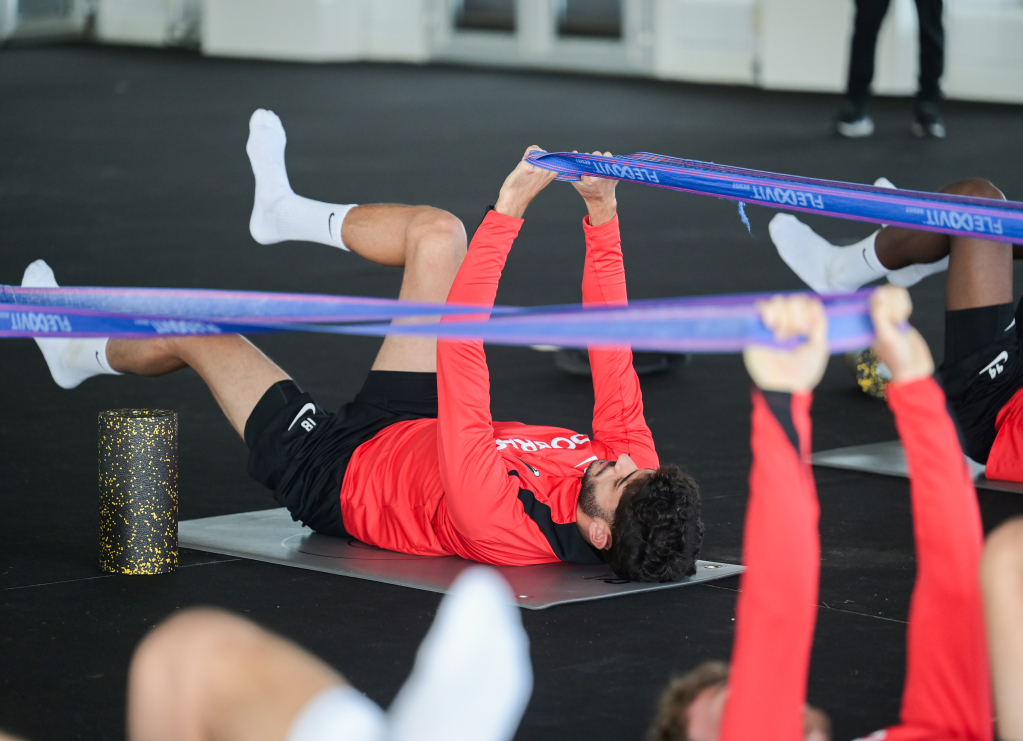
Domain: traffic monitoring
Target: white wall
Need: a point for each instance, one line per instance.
(805, 44)
(317, 30)
(295, 30)
(984, 51)
(780, 44)
(706, 40)
(148, 22)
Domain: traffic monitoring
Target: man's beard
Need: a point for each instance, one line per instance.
(588, 499)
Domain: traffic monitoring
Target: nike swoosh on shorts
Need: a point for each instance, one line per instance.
(301, 413)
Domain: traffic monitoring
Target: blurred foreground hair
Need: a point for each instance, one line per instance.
(670, 723)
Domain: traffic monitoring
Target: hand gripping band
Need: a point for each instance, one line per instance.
(965, 216)
(694, 324)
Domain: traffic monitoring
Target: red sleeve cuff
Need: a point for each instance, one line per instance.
(919, 389)
(611, 226)
(497, 218)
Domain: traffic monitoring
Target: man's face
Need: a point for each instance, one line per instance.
(603, 484)
(704, 714)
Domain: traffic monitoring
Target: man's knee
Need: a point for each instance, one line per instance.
(976, 187)
(189, 643)
(438, 236)
(1003, 551)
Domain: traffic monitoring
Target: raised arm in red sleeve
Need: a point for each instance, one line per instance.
(618, 409)
(476, 482)
(777, 606)
(948, 692)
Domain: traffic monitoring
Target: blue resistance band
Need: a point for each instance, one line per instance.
(986, 218)
(227, 305)
(709, 324)
(721, 324)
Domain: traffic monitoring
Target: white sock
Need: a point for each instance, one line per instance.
(883, 182)
(338, 714)
(472, 677)
(71, 361)
(278, 214)
(820, 264)
(913, 274)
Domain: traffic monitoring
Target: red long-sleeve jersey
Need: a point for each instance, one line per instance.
(1005, 462)
(947, 694)
(497, 492)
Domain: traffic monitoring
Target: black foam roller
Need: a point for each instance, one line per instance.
(138, 491)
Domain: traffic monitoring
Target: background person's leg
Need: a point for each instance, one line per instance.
(206, 675)
(429, 244)
(236, 371)
(1002, 584)
(869, 15)
(927, 121)
(853, 120)
(932, 49)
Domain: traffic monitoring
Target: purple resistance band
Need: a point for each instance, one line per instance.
(719, 324)
(986, 218)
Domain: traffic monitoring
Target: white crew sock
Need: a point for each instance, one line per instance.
(472, 677)
(830, 269)
(71, 361)
(913, 274)
(820, 264)
(339, 713)
(278, 214)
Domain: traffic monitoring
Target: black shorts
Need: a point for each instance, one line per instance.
(983, 368)
(300, 452)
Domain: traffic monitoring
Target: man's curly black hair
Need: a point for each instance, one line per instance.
(657, 531)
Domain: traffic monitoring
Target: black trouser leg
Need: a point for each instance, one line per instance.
(932, 49)
(869, 14)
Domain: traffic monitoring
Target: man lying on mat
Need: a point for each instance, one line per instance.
(415, 463)
(947, 694)
(982, 372)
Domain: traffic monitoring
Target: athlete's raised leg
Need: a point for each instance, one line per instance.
(206, 675)
(236, 371)
(429, 244)
(904, 256)
(979, 270)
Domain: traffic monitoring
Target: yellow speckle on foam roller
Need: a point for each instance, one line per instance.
(138, 491)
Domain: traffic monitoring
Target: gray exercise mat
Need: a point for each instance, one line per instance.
(270, 535)
(888, 459)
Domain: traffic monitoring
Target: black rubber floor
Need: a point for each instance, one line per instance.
(126, 167)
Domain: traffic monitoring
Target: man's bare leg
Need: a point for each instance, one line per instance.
(979, 270)
(236, 372)
(429, 244)
(903, 255)
(206, 675)
(1002, 582)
